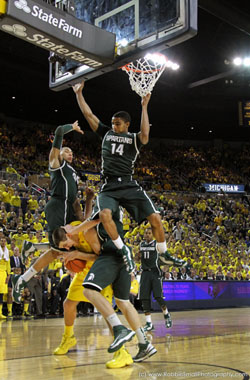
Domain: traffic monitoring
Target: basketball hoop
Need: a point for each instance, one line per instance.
(145, 72)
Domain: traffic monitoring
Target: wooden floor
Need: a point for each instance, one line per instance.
(203, 344)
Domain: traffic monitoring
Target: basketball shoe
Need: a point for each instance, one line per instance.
(18, 286)
(148, 326)
(27, 249)
(66, 343)
(168, 320)
(121, 336)
(121, 359)
(168, 259)
(145, 351)
(127, 258)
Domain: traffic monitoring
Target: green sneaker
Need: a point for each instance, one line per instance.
(121, 336)
(27, 249)
(166, 259)
(148, 326)
(168, 320)
(127, 258)
(18, 285)
(145, 351)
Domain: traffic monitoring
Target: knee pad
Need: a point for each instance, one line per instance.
(146, 305)
(161, 301)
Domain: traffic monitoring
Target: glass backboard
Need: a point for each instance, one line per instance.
(140, 26)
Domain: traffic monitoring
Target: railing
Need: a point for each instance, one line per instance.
(11, 176)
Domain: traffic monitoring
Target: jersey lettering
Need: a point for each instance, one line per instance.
(119, 149)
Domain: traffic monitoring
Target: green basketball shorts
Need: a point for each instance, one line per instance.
(109, 270)
(128, 194)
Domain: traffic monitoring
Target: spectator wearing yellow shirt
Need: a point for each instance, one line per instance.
(6, 197)
(37, 225)
(11, 214)
(126, 222)
(33, 204)
(211, 265)
(203, 265)
(11, 247)
(15, 201)
(218, 219)
(4, 273)
(18, 238)
(29, 217)
(11, 170)
(31, 237)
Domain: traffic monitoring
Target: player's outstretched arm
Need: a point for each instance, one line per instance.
(54, 156)
(79, 255)
(84, 107)
(83, 227)
(145, 126)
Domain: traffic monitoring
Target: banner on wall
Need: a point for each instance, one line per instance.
(226, 188)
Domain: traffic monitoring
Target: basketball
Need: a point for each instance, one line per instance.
(76, 265)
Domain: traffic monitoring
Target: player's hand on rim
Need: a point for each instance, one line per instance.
(78, 87)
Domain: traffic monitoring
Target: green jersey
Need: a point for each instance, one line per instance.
(64, 182)
(149, 255)
(119, 151)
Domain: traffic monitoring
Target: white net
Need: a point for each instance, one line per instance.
(144, 73)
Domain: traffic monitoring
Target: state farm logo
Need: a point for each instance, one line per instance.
(47, 43)
(18, 30)
(48, 18)
(22, 4)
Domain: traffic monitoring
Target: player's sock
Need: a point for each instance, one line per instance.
(29, 274)
(165, 311)
(141, 335)
(25, 307)
(69, 330)
(161, 247)
(118, 242)
(113, 320)
(148, 318)
(9, 308)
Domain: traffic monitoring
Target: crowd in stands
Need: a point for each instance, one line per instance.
(210, 231)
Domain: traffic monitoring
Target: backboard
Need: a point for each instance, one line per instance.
(140, 27)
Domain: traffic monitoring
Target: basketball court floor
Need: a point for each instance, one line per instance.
(203, 344)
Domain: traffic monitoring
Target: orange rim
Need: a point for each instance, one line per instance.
(127, 68)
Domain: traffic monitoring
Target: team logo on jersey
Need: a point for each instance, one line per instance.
(91, 277)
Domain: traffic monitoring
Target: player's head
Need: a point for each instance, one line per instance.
(61, 239)
(148, 234)
(17, 270)
(121, 121)
(66, 154)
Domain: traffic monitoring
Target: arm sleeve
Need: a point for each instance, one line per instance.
(102, 130)
(60, 132)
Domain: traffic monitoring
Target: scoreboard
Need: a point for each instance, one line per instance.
(244, 113)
